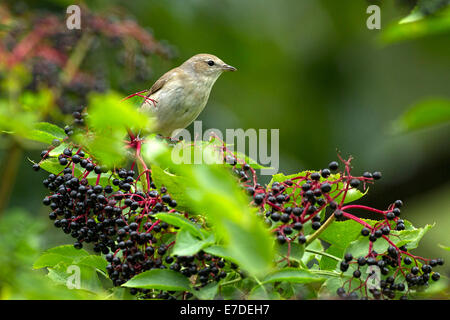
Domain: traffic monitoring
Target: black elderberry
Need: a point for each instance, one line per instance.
(298, 226)
(325, 173)
(301, 239)
(356, 273)
(398, 203)
(275, 216)
(341, 292)
(435, 276)
(400, 227)
(281, 239)
(367, 175)
(390, 215)
(325, 187)
(285, 217)
(426, 268)
(354, 183)
(297, 211)
(365, 231)
(63, 161)
(333, 165)
(343, 266)
(316, 225)
(362, 261)
(306, 187)
(348, 257)
(414, 270)
(315, 176)
(376, 175)
(259, 198)
(338, 214)
(407, 260)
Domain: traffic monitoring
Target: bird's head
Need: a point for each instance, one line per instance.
(206, 65)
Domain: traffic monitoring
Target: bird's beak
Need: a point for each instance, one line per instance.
(227, 67)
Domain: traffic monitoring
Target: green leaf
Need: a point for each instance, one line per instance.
(444, 247)
(178, 220)
(220, 251)
(52, 165)
(66, 254)
(208, 292)
(424, 114)
(327, 263)
(186, 244)
(423, 9)
(308, 257)
(96, 262)
(414, 27)
(62, 274)
(341, 233)
(161, 279)
(108, 119)
(330, 286)
(45, 132)
(52, 129)
(175, 184)
(296, 251)
(410, 238)
(293, 275)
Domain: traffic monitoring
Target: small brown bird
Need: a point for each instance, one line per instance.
(178, 97)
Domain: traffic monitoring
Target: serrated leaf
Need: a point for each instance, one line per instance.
(207, 292)
(64, 273)
(96, 262)
(52, 165)
(410, 238)
(161, 279)
(220, 251)
(341, 233)
(327, 263)
(293, 275)
(174, 184)
(296, 251)
(178, 220)
(53, 256)
(52, 129)
(308, 256)
(186, 244)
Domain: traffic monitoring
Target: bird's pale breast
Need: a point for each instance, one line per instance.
(178, 103)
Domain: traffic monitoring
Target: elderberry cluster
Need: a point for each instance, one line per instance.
(50, 46)
(291, 204)
(107, 209)
(396, 264)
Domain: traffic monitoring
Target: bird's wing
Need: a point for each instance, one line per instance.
(161, 82)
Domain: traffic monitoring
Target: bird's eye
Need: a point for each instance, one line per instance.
(210, 63)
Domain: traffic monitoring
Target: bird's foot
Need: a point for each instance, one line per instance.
(139, 94)
(152, 100)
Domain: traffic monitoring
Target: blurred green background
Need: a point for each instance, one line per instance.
(309, 68)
